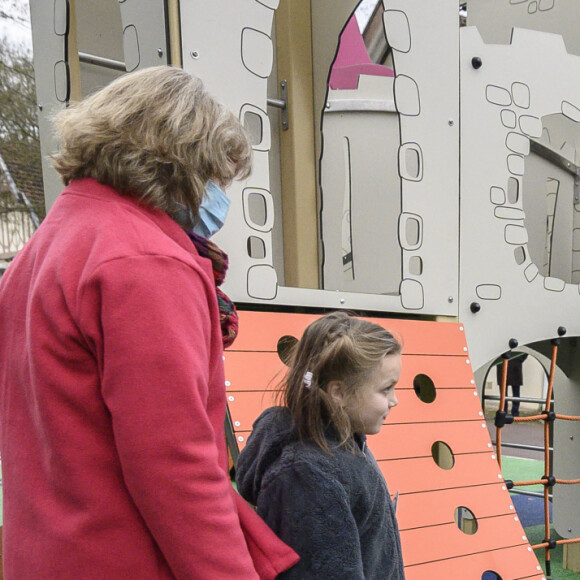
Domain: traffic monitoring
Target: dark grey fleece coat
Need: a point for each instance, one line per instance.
(334, 508)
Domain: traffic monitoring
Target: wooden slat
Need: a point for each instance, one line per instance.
(254, 371)
(260, 331)
(449, 405)
(448, 541)
(433, 508)
(513, 563)
(422, 474)
(401, 441)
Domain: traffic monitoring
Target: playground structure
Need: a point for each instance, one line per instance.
(440, 183)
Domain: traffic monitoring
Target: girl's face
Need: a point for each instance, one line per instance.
(369, 408)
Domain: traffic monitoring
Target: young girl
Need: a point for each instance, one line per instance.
(306, 465)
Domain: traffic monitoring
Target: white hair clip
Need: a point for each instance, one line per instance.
(308, 379)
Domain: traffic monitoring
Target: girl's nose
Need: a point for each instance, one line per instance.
(394, 401)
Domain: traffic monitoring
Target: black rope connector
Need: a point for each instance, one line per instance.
(555, 341)
(561, 330)
(513, 343)
(475, 307)
(507, 354)
(509, 483)
(550, 480)
(550, 415)
(502, 418)
(551, 544)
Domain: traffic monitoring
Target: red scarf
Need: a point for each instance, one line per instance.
(219, 262)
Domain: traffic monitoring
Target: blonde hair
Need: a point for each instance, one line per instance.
(155, 134)
(336, 347)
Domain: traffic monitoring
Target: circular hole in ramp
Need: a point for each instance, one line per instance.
(285, 348)
(442, 455)
(424, 388)
(465, 520)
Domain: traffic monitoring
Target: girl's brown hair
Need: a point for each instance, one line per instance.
(336, 347)
(155, 134)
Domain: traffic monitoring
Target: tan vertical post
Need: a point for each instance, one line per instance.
(174, 32)
(72, 57)
(298, 162)
(571, 560)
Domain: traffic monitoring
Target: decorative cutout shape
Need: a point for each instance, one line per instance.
(509, 213)
(412, 295)
(513, 190)
(465, 520)
(520, 255)
(397, 30)
(407, 96)
(61, 17)
(521, 95)
(61, 81)
(262, 282)
(518, 143)
(424, 388)
(285, 348)
(442, 455)
(516, 235)
(515, 164)
(415, 266)
(498, 95)
(554, 284)
(131, 48)
(497, 195)
(257, 124)
(410, 231)
(258, 209)
(488, 291)
(531, 126)
(256, 248)
(531, 272)
(571, 111)
(257, 52)
(546, 5)
(410, 162)
(509, 119)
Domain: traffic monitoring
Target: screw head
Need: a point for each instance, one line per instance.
(159, 52)
(194, 54)
(475, 307)
(40, 106)
(451, 122)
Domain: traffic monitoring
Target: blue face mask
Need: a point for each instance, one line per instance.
(212, 211)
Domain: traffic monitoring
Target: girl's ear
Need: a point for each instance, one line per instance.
(336, 391)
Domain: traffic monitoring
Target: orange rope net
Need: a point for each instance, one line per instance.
(502, 418)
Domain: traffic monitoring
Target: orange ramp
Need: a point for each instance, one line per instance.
(433, 544)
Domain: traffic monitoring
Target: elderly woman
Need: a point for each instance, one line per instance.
(112, 396)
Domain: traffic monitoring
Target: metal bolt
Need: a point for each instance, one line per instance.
(159, 52)
(570, 530)
(342, 300)
(194, 54)
(40, 107)
(451, 122)
(237, 423)
(450, 299)
(230, 399)
(228, 384)
(571, 437)
(328, 105)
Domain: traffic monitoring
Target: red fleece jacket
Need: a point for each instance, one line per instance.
(112, 404)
